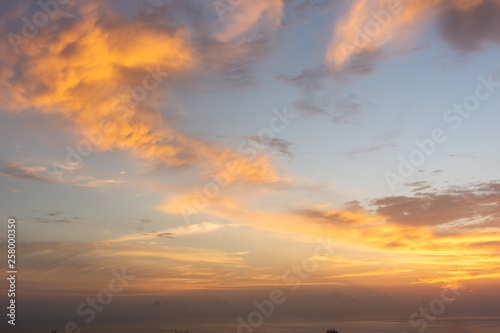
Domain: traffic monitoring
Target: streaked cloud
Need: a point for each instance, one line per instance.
(110, 99)
(16, 170)
(404, 225)
(190, 229)
(259, 17)
(367, 26)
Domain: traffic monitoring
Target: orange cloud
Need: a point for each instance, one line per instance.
(369, 25)
(102, 72)
(421, 247)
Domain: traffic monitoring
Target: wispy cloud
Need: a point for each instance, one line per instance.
(259, 17)
(281, 146)
(367, 26)
(57, 217)
(16, 170)
(187, 230)
(368, 150)
(410, 225)
(97, 93)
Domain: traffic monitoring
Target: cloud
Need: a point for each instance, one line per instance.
(298, 9)
(281, 146)
(316, 100)
(90, 182)
(429, 226)
(419, 186)
(471, 202)
(187, 230)
(57, 217)
(15, 170)
(258, 17)
(341, 110)
(111, 98)
(384, 140)
(309, 80)
(165, 235)
(367, 26)
(370, 149)
(233, 62)
(64, 268)
(220, 303)
(467, 25)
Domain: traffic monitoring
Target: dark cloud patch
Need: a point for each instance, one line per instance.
(354, 206)
(493, 245)
(341, 110)
(309, 80)
(281, 146)
(165, 235)
(314, 100)
(419, 186)
(160, 303)
(57, 217)
(51, 221)
(475, 202)
(334, 218)
(468, 30)
(144, 226)
(233, 62)
(14, 170)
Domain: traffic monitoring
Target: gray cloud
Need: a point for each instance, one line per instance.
(469, 30)
(57, 217)
(14, 170)
(480, 202)
(367, 150)
(281, 146)
(165, 235)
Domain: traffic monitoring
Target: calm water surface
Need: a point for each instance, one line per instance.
(305, 325)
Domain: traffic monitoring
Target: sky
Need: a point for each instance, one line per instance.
(341, 152)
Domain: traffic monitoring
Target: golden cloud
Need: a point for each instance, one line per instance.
(100, 71)
(369, 25)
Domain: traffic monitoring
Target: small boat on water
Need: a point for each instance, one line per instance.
(332, 330)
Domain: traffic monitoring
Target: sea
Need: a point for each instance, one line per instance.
(286, 325)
